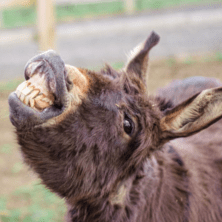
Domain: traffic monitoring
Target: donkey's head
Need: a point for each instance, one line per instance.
(98, 126)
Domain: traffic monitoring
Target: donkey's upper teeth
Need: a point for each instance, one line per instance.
(32, 103)
(22, 97)
(22, 86)
(40, 102)
(26, 100)
(27, 90)
(34, 93)
(47, 100)
(39, 97)
(18, 93)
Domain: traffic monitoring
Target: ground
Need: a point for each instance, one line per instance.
(22, 197)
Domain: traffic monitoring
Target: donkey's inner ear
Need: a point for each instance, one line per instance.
(138, 61)
(193, 115)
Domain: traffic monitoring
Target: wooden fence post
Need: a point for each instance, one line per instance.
(130, 6)
(46, 24)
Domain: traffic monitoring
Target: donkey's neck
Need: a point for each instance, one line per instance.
(121, 203)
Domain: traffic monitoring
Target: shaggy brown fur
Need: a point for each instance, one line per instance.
(111, 155)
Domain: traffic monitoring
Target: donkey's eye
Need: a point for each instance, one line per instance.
(128, 125)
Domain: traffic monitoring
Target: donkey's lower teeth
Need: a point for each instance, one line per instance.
(34, 93)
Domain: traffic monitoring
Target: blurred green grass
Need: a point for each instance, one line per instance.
(38, 204)
(142, 5)
(9, 86)
(30, 201)
(26, 16)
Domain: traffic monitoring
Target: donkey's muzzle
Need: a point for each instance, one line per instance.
(43, 95)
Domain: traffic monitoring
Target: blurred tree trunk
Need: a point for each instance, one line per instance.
(130, 6)
(46, 24)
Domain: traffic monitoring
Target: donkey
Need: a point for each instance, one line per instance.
(115, 153)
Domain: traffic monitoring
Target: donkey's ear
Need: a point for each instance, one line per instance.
(138, 61)
(193, 115)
